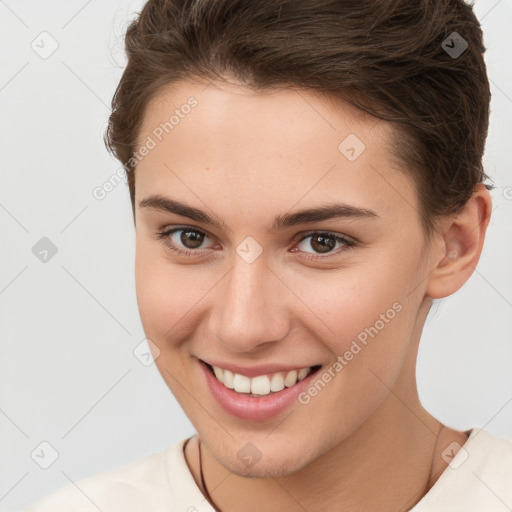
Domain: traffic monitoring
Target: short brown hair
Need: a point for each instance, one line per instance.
(385, 57)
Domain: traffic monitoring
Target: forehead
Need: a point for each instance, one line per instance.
(248, 148)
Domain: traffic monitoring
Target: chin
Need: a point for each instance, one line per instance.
(278, 463)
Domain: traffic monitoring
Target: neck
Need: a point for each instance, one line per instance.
(390, 468)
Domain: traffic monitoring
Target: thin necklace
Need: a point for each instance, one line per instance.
(426, 489)
(208, 497)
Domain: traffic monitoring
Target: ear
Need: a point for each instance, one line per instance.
(461, 239)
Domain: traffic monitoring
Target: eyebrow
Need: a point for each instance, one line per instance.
(307, 216)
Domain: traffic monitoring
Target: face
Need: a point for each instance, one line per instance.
(250, 285)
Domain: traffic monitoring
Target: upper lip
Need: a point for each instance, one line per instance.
(254, 371)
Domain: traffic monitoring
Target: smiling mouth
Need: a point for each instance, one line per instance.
(262, 385)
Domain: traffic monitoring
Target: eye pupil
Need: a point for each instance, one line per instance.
(325, 243)
(194, 237)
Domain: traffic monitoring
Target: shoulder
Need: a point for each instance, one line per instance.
(478, 478)
(140, 485)
(492, 463)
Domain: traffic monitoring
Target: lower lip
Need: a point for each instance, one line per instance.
(250, 407)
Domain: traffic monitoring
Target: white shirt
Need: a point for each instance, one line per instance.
(478, 479)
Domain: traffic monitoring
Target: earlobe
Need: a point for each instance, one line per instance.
(461, 245)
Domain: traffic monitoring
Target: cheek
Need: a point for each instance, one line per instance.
(369, 311)
(348, 301)
(372, 323)
(168, 295)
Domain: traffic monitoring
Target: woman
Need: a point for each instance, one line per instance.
(306, 179)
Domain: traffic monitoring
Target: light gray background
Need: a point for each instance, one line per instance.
(69, 326)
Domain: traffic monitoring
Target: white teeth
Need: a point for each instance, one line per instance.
(290, 379)
(302, 373)
(241, 383)
(262, 384)
(277, 382)
(228, 377)
(219, 374)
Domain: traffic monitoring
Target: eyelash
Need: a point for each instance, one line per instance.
(164, 236)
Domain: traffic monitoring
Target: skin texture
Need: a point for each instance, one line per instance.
(364, 441)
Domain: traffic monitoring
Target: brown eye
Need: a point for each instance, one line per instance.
(324, 243)
(185, 241)
(191, 239)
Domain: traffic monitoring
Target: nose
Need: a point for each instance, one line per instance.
(250, 307)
